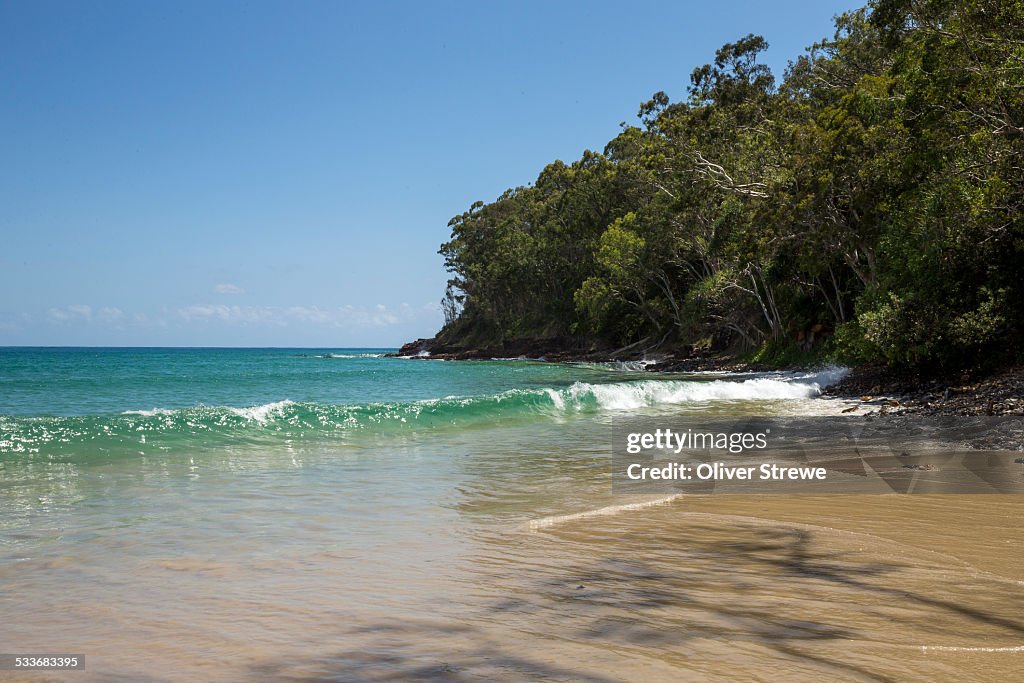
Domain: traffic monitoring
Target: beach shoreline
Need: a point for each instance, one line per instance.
(883, 390)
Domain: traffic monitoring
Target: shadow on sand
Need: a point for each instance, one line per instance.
(684, 601)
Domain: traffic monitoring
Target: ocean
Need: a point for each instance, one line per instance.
(338, 514)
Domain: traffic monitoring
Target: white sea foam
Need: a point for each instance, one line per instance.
(262, 413)
(555, 520)
(633, 365)
(149, 413)
(825, 376)
(632, 395)
(951, 648)
(556, 398)
(617, 365)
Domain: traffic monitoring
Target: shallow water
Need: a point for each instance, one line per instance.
(476, 540)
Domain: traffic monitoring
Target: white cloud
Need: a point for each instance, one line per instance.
(74, 313)
(228, 288)
(228, 314)
(83, 313)
(342, 316)
(110, 314)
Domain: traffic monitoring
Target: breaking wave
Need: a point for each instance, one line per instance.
(208, 426)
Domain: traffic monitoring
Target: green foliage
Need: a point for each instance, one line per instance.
(878, 191)
(787, 355)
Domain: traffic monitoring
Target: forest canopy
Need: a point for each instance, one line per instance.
(871, 198)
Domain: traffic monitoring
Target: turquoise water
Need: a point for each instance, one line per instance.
(79, 427)
(95, 381)
(88, 403)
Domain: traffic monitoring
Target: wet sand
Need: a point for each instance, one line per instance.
(720, 588)
(781, 588)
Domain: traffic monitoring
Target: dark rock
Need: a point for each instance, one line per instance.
(414, 348)
(550, 349)
(999, 393)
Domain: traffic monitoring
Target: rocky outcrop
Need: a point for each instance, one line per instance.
(550, 349)
(419, 347)
(885, 392)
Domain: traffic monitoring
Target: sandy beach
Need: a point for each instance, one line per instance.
(719, 588)
(810, 588)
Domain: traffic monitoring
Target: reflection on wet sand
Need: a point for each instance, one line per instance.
(888, 588)
(723, 588)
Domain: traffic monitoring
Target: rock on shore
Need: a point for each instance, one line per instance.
(550, 349)
(964, 393)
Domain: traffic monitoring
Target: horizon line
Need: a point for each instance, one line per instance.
(110, 346)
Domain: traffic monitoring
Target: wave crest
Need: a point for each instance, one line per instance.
(220, 425)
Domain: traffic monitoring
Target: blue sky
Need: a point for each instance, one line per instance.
(282, 174)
